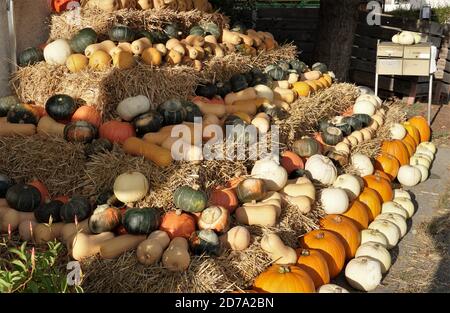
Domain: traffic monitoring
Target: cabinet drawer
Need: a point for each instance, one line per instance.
(416, 67)
(390, 66)
(390, 49)
(417, 52)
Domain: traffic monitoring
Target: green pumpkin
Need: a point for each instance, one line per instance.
(239, 27)
(105, 218)
(5, 183)
(148, 122)
(108, 197)
(60, 107)
(80, 131)
(213, 29)
(259, 78)
(156, 36)
(324, 124)
(224, 88)
(332, 136)
(355, 123)
(275, 112)
(22, 114)
(319, 67)
(173, 112)
(83, 39)
(197, 30)
(98, 146)
(6, 103)
(173, 30)
(251, 189)
(238, 82)
(276, 72)
(345, 128)
(364, 118)
(306, 147)
(141, 221)
(30, 56)
(190, 200)
(297, 173)
(298, 65)
(204, 242)
(192, 111)
(207, 90)
(78, 207)
(121, 33)
(50, 209)
(284, 65)
(23, 198)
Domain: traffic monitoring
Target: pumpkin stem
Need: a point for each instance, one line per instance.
(320, 235)
(338, 219)
(196, 186)
(284, 269)
(305, 252)
(178, 212)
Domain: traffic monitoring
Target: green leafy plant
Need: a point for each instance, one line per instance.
(25, 270)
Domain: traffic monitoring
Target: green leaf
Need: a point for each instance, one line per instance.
(20, 264)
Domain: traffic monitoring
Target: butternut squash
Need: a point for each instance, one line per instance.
(281, 104)
(195, 40)
(138, 46)
(312, 75)
(262, 215)
(246, 39)
(286, 95)
(192, 53)
(198, 65)
(70, 229)
(284, 84)
(3, 120)
(258, 102)
(106, 46)
(26, 230)
(215, 49)
(262, 124)
(115, 247)
(295, 190)
(246, 94)
(44, 233)
(151, 250)
(138, 147)
(257, 41)
(145, 4)
(176, 258)
(237, 239)
(218, 110)
(123, 60)
(10, 218)
(247, 107)
(231, 37)
(10, 129)
(161, 48)
(152, 56)
(303, 203)
(270, 44)
(211, 39)
(156, 138)
(171, 43)
(125, 46)
(174, 57)
(49, 127)
(83, 246)
(279, 252)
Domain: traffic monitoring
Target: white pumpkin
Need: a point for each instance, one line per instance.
(381, 111)
(406, 204)
(364, 107)
(397, 131)
(57, 52)
(379, 118)
(321, 168)
(426, 156)
(428, 145)
(353, 141)
(334, 200)
(426, 151)
(363, 273)
(367, 133)
(273, 174)
(419, 159)
(358, 135)
(393, 207)
(396, 38)
(406, 38)
(401, 193)
(362, 164)
(331, 288)
(389, 230)
(409, 175)
(350, 184)
(262, 91)
(397, 219)
(417, 38)
(131, 107)
(364, 90)
(130, 187)
(371, 98)
(342, 147)
(373, 235)
(293, 78)
(377, 252)
(374, 125)
(423, 171)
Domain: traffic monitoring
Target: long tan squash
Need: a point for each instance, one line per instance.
(246, 94)
(257, 215)
(49, 127)
(106, 46)
(231, 37)
(138, 147)
(26, 230)
(83, 246)
(280, 253)
(3, 120)
(156, 138)
(70, 229)
(139, 45)
(44, 233)
(115, 247)
(9, 129)
(176, 258)
(151, 250)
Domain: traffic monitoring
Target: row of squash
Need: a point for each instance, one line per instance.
(176, 5)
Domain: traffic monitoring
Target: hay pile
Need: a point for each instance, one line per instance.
(52, 160)
(66, 25)
(105, 89)
(306, 112)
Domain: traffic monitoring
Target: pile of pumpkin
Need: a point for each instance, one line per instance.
(126, 46)
(176, 5)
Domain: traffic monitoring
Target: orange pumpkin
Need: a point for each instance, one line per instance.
(234, 182)
(60, 6)
(45, 195)
(177, 224)
(315, 264)
(346, 230)
(410, 147)
(284, 279)
(387, 164)
(413, 132)
(348, 112)
(409, 140)
(213, 101)
(422, 126)
(39, 109)
(380, 185)
(397, 149)
(63, 199)
(331, 247)
(358, 212)
(88, 114)
(318, 137)
(225, 197)
(382, 174)
(291, 161)
(116, 131)
(372, 200)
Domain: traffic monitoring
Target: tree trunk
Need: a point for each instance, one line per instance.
(338, 20)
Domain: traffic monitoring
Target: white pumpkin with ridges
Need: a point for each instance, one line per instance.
(377, 252)
(393, 207)
(406, 204)
(373, 235)
(397, 219)
(57, 52)
(331, 288)
(362, 164)
(397, 131)
(363, 273)
(350, 184)
(322, 169)
(130, 187)
(334, 200)
(388, 229)
(409, 176)
(273, 174)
